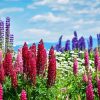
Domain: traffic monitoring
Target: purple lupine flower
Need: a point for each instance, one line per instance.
(89, 92)
(90, 43)
(98, 39)
(1, 34)
(75, 33)
(75, 66)
(67, 45)
(7, 34)
(59, 44)
(75, 41)
(81, 43)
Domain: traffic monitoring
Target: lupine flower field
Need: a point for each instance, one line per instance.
(61, 73)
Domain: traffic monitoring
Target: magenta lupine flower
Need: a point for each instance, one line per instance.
(7, 63)
(75, 66)
(98, 85)
(89, 92)
(86, 59)
(24, 56)
(85, 78)
(33, 49)
(33, 70)
(1, 92)
(2, 74)
(51, 68)
(96, 58)
(23, 95)
(89, 77)
(41, 58)
(14, 80)
(19, 63)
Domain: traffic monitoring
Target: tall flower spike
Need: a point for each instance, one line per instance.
(75, 66)
(51, 68)
(41, 58)
(2, 74)
(24, 56)
(19, 63)
(85, 78)
(96, 59)
(33, 49)
(1, 92)
(23, 95)
(89, 92)
(98, 86)
(33, 70)
(7, 64)
(67, 45)
(86, 59)
(14, 79)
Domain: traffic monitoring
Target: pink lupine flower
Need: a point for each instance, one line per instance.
(41, 58)
(51, 68)
(2, 74)
(75, 66)
(33, 49)
(98, 85)
(19, 63)
(33, 70)
(89, 92)
(7, 63)
(89, 77)
(24, 56)
(23, 95)
(96, 59)
(85, 78)
(14, 81)
(1, 92)
(86, 58)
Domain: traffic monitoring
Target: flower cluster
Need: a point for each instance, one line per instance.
(1, 92)
(7, 64)
(51, 68)
(23, 95)
(14, 78)
(75, 66)
(41, 58)
(89, 92)
(96, 59)
(24, 57)
(86, 59)
(2, 74)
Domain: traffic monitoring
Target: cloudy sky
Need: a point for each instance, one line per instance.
(32, 20)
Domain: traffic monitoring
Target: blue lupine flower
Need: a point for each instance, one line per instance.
(67, 45)
(98, 39)
(81, 43)
(90, 43)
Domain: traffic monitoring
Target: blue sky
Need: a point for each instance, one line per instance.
(32, 20)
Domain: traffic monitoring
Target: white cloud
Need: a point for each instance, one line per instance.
(36, 31)
(10, 10)
(50, 17)
(53, 4)
(63, 1)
